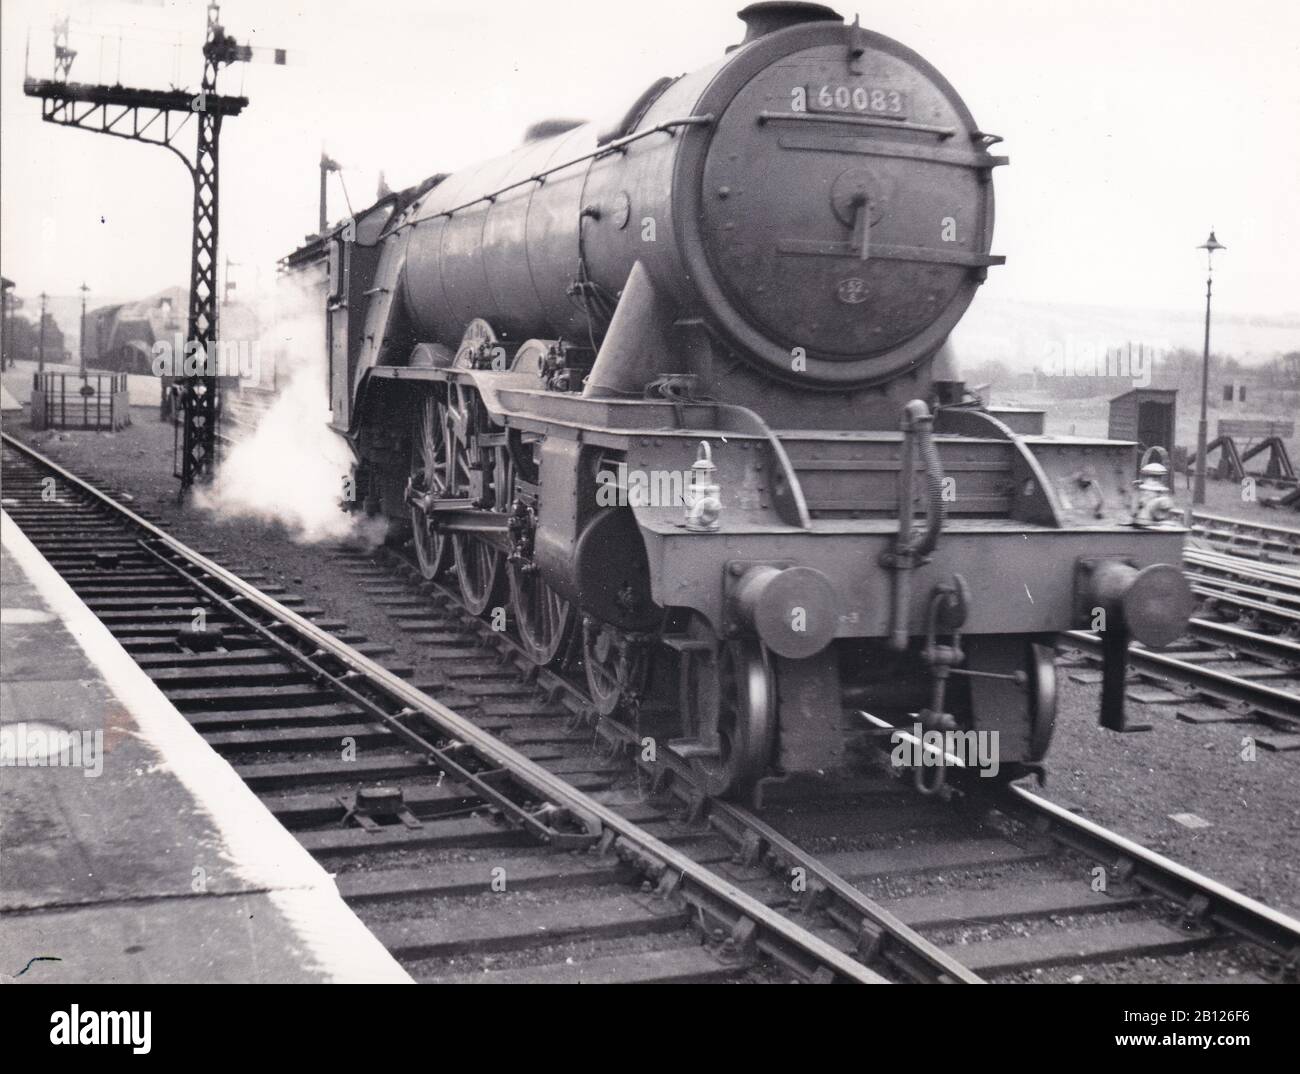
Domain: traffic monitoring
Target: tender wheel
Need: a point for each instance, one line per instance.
(478, 563)
(728, 696)
(429, 475)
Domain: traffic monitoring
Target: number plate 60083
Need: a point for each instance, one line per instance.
(857, 100)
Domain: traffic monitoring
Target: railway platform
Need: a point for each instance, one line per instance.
(130, 852)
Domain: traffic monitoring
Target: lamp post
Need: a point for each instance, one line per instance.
(6, 322)
(84, 291)
(1210, 246)
(40, 346)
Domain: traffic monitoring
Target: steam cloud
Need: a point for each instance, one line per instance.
(290, 467)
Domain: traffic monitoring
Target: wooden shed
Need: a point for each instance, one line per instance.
(1145, 415)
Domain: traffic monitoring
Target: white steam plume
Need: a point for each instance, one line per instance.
(290, 467)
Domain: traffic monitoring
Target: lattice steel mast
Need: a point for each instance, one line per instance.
(138, 114)
(201, 395)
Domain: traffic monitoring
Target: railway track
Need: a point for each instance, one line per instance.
(930, 863)
(1219, 673)
(1246, 669)
(442, 834)
(489, 826)
(1272, 544)
(1265, 595)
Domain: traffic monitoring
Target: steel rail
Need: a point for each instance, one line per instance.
(1269, 552)
(879, 932)
(1230, 587)
(534, 821)
(775, 934)
(1235, 599)
(1265, 646)
(756, 841)
(1284, 534)
(1247, 563)
(1203, 897)
(1283, 577)
(1217, 684)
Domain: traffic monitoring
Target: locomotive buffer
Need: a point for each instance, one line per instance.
(158, 117)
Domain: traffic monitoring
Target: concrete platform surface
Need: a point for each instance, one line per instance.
(129, 850)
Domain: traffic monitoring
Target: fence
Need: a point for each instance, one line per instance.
(96, 401)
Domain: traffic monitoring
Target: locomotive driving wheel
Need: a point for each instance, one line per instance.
(728, 699)
(429, 476)
(543, 618)
(482, 475)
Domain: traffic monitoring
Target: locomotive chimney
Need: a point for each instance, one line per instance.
(772, 15)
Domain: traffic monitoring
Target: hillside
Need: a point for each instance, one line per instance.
(1022, 334)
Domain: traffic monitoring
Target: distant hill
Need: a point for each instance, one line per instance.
(1022, 334)
(1015, 332)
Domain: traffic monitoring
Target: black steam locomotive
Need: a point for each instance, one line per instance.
(675, 394)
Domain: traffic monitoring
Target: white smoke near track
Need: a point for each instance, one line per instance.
(287, 465)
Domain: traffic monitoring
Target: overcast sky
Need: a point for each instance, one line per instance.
(1132, 126)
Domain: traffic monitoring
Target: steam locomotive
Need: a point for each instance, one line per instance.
(675, 393)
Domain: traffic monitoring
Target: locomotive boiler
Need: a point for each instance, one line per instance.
(674, 392)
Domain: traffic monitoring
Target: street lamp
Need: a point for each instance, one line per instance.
(40, 352)
(6, 322)
(84, 291)
(1210, 246)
